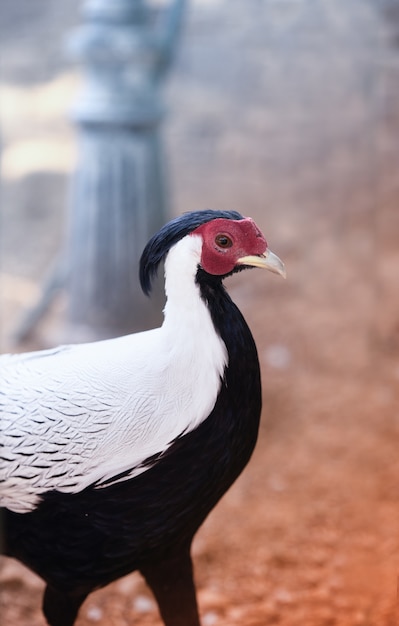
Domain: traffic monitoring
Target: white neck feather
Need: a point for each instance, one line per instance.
(188, 322)
(181, 266)
(115, 403)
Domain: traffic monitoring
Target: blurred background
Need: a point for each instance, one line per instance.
(287, 111)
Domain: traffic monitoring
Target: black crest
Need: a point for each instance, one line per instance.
(160, 244)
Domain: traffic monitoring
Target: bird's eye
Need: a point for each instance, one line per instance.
(223, 241)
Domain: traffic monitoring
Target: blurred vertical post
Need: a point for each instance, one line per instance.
(118, 196)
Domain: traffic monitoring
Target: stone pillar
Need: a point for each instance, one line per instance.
(118, 198)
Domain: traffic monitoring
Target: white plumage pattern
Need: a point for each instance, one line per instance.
(53, 402)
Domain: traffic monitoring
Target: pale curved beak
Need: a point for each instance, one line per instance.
(267, 261)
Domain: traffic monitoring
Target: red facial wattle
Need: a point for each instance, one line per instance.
(226, 241)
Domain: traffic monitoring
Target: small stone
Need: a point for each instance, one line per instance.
(277, 356)
(142, 604)
(237, 613)
(211, 599)
(277, 484)
(94, 613)
(283, 596)
(210, 619)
